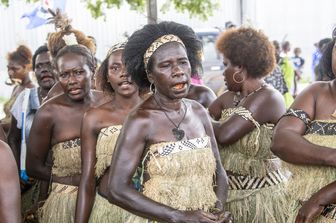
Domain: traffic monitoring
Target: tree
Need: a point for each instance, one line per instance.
(196, 8)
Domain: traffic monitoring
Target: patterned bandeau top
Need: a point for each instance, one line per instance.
(106, 142)
(181, 174)
(67, 158)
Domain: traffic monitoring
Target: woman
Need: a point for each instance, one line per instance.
(9, 186)
(46, 78)
(100, 129)
(247, 113)
(56, 129)
(19, 65)
(171, 138)
(26, 104)
(310, 125)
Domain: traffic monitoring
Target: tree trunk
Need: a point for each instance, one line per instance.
(152, 11)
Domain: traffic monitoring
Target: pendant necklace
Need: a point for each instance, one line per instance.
(236, 100)
(177, 132)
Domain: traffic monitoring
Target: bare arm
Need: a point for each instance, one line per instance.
(39, 144)
(128, 152)
(14, 139)
(315, 205)
(87, 186)
(221, 178)
(10, 210)
(265, 108)
(289, 143)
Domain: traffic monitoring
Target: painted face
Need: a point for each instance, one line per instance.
(16, 70)
(229, 71)
(44, 72)
(117, 75)
(74, 75)
(171, 70)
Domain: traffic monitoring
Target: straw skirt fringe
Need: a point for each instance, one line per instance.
(264, 205)
(105, 212)
(60, 205)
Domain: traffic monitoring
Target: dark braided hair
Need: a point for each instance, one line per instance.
(140, 40)
(41, 49)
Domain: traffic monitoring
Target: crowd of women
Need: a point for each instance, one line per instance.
(133, 140)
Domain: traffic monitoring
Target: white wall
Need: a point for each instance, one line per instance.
(303, 22)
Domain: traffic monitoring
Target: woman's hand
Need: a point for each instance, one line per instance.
(309, 211)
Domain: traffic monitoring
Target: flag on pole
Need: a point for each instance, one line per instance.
(39, 15)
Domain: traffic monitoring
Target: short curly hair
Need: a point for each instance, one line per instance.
(326, 59)
(248, 48)
(21, 55)
(140, 40)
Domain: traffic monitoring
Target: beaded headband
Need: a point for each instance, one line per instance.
(116, 47)
(157, 43)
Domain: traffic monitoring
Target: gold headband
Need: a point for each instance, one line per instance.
(159, 42)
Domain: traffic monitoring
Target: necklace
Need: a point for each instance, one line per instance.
(177, 132)
(236, 99)
(40, 94)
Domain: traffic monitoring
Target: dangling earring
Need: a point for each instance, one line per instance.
(234, 78)
(152, 88)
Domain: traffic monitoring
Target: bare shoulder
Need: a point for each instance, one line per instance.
(51, 106)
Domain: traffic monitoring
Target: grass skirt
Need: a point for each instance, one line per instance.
(60, 205)
(105, 212)
(264, 205)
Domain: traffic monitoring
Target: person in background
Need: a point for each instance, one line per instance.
(298, 63)
(276, 78)
(318, 72)
(9, 186)
(245, 116)
(305, 138)
(284, 66)
(56, 38)
(56, 130)
(100, 130)
(23, 112)
(19, 65)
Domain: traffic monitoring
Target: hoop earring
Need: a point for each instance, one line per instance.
(234, 79)
(152, 88)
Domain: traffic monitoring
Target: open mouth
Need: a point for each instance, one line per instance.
(125, 83)
(179, 86)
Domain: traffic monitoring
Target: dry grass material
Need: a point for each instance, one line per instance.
(60, 205)
(105, 146)
(66, 158)
(105, 212)
(183, 180)
(306, 180)
(251, 156)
